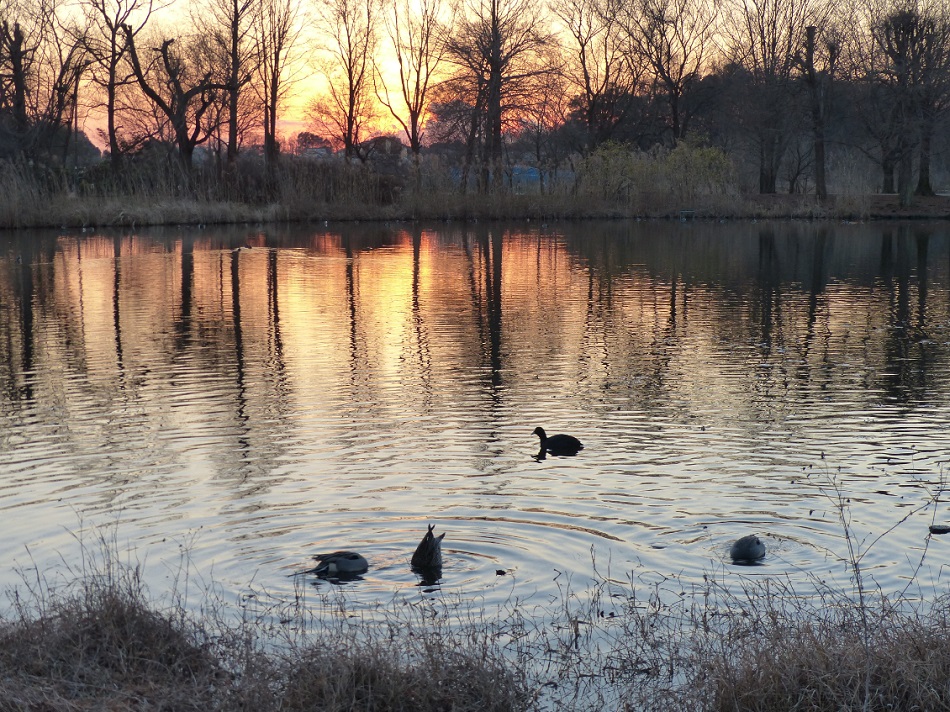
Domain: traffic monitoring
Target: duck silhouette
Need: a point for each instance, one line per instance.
(557, 444)
(340, 564)
(747, 549)
(428, 555)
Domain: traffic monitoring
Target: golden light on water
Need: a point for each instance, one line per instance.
(284, 390)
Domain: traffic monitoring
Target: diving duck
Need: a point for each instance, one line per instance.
(340, 563)
(558, 444)
(428, 555)
(747, 549)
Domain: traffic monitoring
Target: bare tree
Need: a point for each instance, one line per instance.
(419, 49)
(541, 121)
(229, 26)
(276, 36)
(42, 60)
(106, 43)
(182, 86)
(674, 38)
(915, 41)
(762, 38)
(818, 64)
(916, 45)
(496, 48)
(871, 97)
(598, 68)
(934, 97)
(350, 27)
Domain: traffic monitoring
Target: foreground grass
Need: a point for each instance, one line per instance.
(100, 642)
(92, 637)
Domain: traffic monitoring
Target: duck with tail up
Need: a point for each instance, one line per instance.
(428, 555)
(557, 444)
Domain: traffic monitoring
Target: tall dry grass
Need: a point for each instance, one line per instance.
(612, 182)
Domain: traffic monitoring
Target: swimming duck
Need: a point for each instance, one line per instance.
(748, 548)
(340, 563)
(558, 444)
(428, 555)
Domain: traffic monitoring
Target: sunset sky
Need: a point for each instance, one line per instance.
(306, 80)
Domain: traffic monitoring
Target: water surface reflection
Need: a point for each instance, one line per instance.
(265, 394)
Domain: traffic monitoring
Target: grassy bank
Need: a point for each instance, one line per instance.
(688, 182)
(98, 640)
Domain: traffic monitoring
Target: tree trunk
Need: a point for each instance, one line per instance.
(769, 158)
(16, 55)
(924, 186)
(821, 186)
(905, 188)
(271, 105)
(887, 181)
(494, 152)
(115, 151)
(493, 114)
(675, 115)
(814, 82)
(233, 90)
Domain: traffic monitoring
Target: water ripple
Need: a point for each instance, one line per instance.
(348, 394)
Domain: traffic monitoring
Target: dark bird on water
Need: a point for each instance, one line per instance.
(558, 444)
(428, 555)
(339, 563)
(747, 549)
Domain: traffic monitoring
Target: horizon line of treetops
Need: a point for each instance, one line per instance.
(784, 88)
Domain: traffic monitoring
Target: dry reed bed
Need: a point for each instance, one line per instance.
(612, 183)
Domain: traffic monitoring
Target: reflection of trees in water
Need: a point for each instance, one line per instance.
(82, 302)
(356, 245)
(116, 302)
(240, 375)
(357, 348)
(183, 324)
(769, 287)
(764, 284)
(817, 330)
(276, 360)
(909, 353)
(255, 405)
(483, 248)
(16, 306)
(418, 343)
(781, 272)
(629, 347)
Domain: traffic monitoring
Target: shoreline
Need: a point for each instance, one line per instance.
(85, 213)
(98, 639)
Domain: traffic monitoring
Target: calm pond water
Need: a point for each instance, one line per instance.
(257, 395)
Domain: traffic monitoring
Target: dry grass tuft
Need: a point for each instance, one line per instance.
(832, 661)
(104, 647)
(370, 677)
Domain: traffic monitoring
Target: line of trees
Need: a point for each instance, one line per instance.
(779, 85)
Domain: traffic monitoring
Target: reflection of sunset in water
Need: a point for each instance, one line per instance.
(274, 392)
